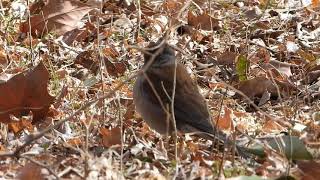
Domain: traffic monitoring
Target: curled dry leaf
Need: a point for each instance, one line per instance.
(26, 92)
(56, 15)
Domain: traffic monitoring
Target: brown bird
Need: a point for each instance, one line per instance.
(153, 95)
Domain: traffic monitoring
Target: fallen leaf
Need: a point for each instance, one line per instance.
(85, 34)
(30, 171)
(253, 13)
(26, 92)
(290, 146)
(311, 77)
(315, 3)
(23, 123)
(3, 57)
(227, 58)
(59, 16)
(203, 21)
(172, 7)
(88, 59)
(110, 137)
(310, 169)
(116, 68)
(284, 68)
(111, 51)
(75, 141)
(225, 121)
(256, 87)
(272, 126)
(307, 55)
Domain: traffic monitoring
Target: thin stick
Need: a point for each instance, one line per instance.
(173, 116)
(121, 133)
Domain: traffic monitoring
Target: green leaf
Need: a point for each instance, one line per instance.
(291, 146)
(242, 67)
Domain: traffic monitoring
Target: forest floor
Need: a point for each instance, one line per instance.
(67, 70)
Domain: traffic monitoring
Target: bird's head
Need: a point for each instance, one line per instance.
(160, 52)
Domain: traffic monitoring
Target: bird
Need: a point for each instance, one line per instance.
(161, 75)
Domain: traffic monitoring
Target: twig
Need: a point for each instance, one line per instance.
(173, 116)
(121, 133)
(138, 21)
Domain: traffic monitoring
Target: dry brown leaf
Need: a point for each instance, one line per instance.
(116, 69)
(272, 126)
(110, 137)
(311, 77)
(256, 87)
(225, 121)
(81, 35)
(2, 148)
(203, 21)
(310, 169)
(227, 58)
(284, 68)
(30, 171)
(315, 3)
(216, 85)
(253, 13)
(59, 16)
(26, 92)
(75, 141)
(173, 6)
(111, 51)
(306, 55)
(89, 60)
(3, 57)
(23, 123)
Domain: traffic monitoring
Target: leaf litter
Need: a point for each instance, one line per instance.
(256, 62)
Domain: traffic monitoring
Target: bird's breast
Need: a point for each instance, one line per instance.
(150, 111)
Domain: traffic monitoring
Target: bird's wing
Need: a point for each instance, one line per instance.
(189, 106)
